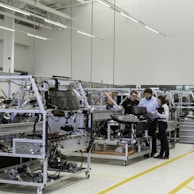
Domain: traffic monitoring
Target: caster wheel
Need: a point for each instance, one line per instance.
(125, 163)
(87, 175)
(40, 191)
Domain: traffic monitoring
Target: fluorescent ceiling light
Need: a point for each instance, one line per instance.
(39, 37)
(103, 3)
(85, 34)
(125, 15)
(5, 28)
(15, 9)
(55, 23)
(152, 29)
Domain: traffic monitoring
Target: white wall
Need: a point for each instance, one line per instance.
(57, 55)
(24, 49)
(141, 56)
(53, 57)
(24, 58)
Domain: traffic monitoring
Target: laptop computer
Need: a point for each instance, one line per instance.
(140, 110)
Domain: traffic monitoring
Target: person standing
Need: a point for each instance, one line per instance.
(128, 107)
(130, 102)
(151, 103)
(163, 116)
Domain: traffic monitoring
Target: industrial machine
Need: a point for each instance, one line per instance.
(117, 136)
(127, 138)
(186, 130)
(42, 121)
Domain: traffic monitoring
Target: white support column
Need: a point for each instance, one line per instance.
(8, 43)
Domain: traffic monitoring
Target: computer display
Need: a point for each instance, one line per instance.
(140, 110)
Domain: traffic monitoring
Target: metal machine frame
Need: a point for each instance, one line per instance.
(101, 113)
(35, 150)
(131, 147)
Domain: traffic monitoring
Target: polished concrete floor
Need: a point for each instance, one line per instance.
(140, 176)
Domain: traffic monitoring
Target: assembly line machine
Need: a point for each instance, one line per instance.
(116, 136)
(42, 121)
(46, 121)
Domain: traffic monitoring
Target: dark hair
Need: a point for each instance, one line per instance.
(133, 91)
(148, 90)
(162, 99)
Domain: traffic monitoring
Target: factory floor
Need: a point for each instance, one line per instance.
(140, 176)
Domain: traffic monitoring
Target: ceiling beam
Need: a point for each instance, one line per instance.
(75, 4)
(25, 20)
(46, 8)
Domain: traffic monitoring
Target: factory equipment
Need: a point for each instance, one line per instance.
(42, 121)
(186, 133)
(117, 136)
(127, 138)
(180, 102)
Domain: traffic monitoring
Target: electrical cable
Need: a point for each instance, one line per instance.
(34, 126)
(19, 84)
(53, 175)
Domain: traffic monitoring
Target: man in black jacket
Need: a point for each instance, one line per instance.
(130, 102)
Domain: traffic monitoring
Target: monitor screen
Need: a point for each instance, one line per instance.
(140, 110)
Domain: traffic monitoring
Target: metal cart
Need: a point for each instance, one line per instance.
(35, 139)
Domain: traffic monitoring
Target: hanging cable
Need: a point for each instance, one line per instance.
(92, 23)
(114, 33)
(34, 29)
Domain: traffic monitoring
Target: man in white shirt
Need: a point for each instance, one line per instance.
(151, 103)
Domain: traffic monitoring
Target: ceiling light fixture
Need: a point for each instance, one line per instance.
(152, 29)
(15, 9)
(5, 28)
(129, 17)
(55, 23)
(85, 34)
(103, 3)
(35, 36)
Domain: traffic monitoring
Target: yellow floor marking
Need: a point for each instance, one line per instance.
(184, 184)
(190, 187)
(143, 173)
